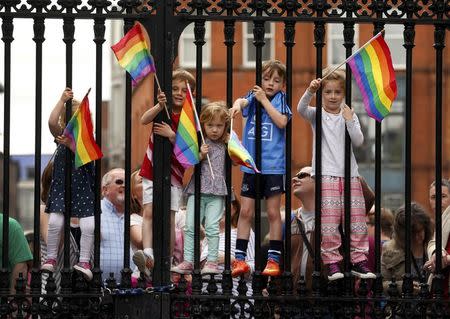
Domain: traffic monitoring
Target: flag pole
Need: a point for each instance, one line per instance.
(198, 123)
(159, 87)
(355, 53)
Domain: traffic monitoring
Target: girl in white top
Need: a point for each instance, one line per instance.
(336, 118)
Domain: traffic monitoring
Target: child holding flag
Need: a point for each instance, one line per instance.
(275, 115)
(144, 258)
(336, 117)
(83, 179)
(214, 121)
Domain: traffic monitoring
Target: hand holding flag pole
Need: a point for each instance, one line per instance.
(159, 88)
(200, 129)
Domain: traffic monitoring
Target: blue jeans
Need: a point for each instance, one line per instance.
(211, 211)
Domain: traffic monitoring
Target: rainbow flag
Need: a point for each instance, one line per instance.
(186, 142)
(239, 154)
(133, 54)
(375, 76)
(81, 134)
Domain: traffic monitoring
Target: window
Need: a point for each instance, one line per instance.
(249, 50)
(335, 43)
(187, 49)
(394, 38)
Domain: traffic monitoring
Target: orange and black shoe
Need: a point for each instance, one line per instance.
(272, 269)
(239, 267)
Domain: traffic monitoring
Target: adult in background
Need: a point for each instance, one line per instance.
(19, 254)
(112, 222)
(445, 195)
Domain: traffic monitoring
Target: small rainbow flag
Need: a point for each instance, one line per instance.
(133, 54)
(375, 76)
(81, 134)
(239, 154)
(186, 142)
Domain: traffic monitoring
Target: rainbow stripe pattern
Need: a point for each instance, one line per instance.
(133, 54)
(375, 76)
(239, 154)
(80, 132)
(186, 142)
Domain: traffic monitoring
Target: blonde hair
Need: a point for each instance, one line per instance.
(275, 65)
(135, 205)
(62, 116)
(338, 75)
(183, 75)
(213, 109)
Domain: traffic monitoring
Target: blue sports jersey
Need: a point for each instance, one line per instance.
(273, 139)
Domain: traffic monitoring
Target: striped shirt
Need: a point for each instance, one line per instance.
(176, 170)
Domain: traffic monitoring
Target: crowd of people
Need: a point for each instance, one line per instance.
(215, 118)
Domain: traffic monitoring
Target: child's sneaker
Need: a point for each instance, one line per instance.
(211, 267)
(49, 265)
(272, 269)
(185, 268)
(239, 267)
(84, 268)
(334, 272)
(143, 262)
(361, 270)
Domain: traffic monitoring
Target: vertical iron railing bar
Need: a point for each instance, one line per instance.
(439, 45)
(199, 32)
(7, 37)
(126, 271)
(258, 41)
(408, 34)
(229, 32)
(99, 39)
(69, 31)
(289, 42)
(39, 29)
(378, 286)
(349, 34)
(319, 36)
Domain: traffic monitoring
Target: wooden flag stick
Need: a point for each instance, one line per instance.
(201, 133)
(346, 60)
(159, 87)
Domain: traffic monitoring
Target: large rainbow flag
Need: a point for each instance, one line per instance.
(186, 142)
(133, 54)
(239, 154)
(375, 76)
(81, 134)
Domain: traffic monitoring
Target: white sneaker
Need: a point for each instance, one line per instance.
(143, 262)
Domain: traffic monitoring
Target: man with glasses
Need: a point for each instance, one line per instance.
(112, 222)
(302, 226)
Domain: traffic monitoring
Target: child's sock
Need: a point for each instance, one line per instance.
(275, 247)
(149, 253)
(241, 249)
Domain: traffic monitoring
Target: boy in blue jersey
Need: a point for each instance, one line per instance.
(274, 118)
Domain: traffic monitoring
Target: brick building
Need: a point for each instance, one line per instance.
(423, 99)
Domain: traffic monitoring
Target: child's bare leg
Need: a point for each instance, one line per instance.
(273, 214)
(245, 217)
(147, 226)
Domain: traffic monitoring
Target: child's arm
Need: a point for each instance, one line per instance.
(238, 105)
(150, 114)
(164, 129)
(280, 120)
(204, 149)
(53, 120)
(353, 126)
(303, 107)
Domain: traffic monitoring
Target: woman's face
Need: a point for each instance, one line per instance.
(136, 190)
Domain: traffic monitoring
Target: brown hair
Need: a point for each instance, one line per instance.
(338, 75)
(135, 207)
(274, 65)
(419, 218)
(387, 221)
(46, 181)
(213, 109)
(183, 75)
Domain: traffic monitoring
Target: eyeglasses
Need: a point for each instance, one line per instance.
(302, 175)
(119, 182)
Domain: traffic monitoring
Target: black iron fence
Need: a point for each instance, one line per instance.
(165, 20)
